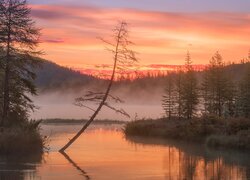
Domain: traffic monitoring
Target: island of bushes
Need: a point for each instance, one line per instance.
(209, 130)
(212, 106)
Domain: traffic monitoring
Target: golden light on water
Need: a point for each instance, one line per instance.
(103, 153)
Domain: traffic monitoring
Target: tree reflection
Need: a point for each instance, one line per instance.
(84, 173)
(194, 161)
(19, 167)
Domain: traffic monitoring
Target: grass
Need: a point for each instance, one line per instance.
(213, 131)
(21, 140)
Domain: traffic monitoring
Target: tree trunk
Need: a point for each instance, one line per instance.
(103, 100)
(6, 100)
(6, 97)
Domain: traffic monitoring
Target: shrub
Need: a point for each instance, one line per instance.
(240, 141)
(236, 125)
(214, 131)
(23, 139)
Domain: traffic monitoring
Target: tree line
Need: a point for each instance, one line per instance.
(215, 94)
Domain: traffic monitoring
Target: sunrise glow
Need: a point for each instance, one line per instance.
(69, 35)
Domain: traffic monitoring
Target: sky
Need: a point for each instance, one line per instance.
(162, 30)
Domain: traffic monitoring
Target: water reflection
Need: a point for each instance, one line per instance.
(193, 161)
(75, 165)
(104, 153)
(19, 168)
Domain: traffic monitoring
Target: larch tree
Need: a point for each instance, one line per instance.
(123, 58)
(216, 87)
(229, 108)
(18, 40)
(168, 101)
(179, 92)
(205, 92)
(244, 94)
(190, 90)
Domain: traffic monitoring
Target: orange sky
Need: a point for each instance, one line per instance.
(69, 35)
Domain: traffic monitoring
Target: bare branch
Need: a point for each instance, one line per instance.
(96, 97)
(82, 105)
(106, 42)
(119, 111)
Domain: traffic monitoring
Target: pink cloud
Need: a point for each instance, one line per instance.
(160, 37)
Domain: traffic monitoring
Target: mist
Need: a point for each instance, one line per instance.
(138, 103)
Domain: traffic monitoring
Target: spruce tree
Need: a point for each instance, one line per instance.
(168, 102)
(205, 92)
(18, 39)
(229, 109)
(244, 94)
(179, 92)
(190, 90)
(218, 89)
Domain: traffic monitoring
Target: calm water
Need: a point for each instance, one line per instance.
(104, 153)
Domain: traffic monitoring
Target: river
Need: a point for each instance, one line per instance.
(103, 152)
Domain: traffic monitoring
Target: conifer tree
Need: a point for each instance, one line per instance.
(179, 92)
(205, 92)
(190, 90)
(18, 39)
(244, 94)
(229, 109)
(168, 102)
(218, 89)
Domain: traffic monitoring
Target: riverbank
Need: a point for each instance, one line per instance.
(78, 121)
(24, 139)
(211, 131)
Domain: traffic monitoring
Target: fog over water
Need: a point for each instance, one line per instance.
(61, 105)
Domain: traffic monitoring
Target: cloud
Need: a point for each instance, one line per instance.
(47, 14)
(56, 41)
(159, 36)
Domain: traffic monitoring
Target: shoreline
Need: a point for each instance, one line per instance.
(208, 131)
(24, 139)
(58, 121)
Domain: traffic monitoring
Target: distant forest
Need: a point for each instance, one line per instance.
(51, 76)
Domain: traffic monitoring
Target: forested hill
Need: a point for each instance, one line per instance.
(234, 71)
(53, 76)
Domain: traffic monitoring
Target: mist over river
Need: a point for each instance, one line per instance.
(61, 105)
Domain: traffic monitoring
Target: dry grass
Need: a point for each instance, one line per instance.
(23, 140)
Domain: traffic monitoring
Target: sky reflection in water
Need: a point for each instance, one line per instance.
(104, 153)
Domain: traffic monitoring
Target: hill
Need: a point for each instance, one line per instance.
(53, 76)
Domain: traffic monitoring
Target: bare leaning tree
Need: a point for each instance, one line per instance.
(123, 58)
